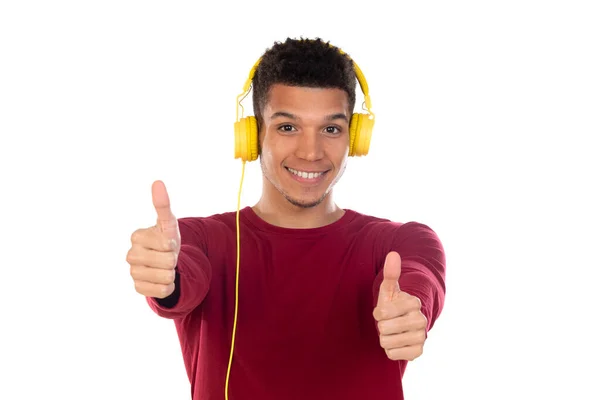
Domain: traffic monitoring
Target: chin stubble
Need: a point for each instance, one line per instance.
(295, 202)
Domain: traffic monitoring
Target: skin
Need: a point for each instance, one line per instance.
(305, 129)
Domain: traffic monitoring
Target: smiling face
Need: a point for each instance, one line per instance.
(304, 143)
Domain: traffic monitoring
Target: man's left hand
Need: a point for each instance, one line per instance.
(402, 326)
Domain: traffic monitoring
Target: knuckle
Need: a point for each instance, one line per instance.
(417, 353)
(167, 277)
(382, 342)
(130, 258)
(159, 291)
(377, 314)
(135, 236)
(136, 272)
(382, 313)
(415, 318)
(422, 321)
(170, 289)
(417, 302)
(163, 291)
(173, 259)
(171, 276)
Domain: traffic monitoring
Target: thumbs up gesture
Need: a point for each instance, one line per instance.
(154, 251)
(401, 325)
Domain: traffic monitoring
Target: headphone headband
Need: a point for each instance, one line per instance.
(360, 77)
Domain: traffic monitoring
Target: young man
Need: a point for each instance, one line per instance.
(332, 303)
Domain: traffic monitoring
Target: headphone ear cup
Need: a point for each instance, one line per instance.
(352, 134)
(246, 139)
(361, 128)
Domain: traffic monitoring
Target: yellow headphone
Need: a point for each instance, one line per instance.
(246, 148)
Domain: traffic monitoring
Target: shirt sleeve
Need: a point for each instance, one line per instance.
(423, 266)
(193, 273)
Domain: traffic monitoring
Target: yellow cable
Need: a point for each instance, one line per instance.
(237, 280)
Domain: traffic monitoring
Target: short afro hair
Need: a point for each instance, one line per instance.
(306, 63)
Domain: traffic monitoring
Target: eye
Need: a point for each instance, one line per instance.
(286, 128)
(333, 130)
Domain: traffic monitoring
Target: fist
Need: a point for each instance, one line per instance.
(153, 254)
(401, 324)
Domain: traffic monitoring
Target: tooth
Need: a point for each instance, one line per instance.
(305, 175)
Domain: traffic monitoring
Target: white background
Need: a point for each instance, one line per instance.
(488, 115)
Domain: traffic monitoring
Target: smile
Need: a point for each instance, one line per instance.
(304, 175)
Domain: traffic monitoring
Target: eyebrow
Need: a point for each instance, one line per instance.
(284, 114)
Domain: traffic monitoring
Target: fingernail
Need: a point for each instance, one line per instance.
(173, 244)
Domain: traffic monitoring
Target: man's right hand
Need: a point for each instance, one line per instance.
(154, 251)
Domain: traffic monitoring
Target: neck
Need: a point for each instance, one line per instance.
(274, 209)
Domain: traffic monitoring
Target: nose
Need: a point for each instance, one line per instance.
(310, 146)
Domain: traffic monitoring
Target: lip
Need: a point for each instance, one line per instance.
(310, 181)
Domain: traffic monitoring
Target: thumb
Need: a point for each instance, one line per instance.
(391, 274)
(166, 221)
